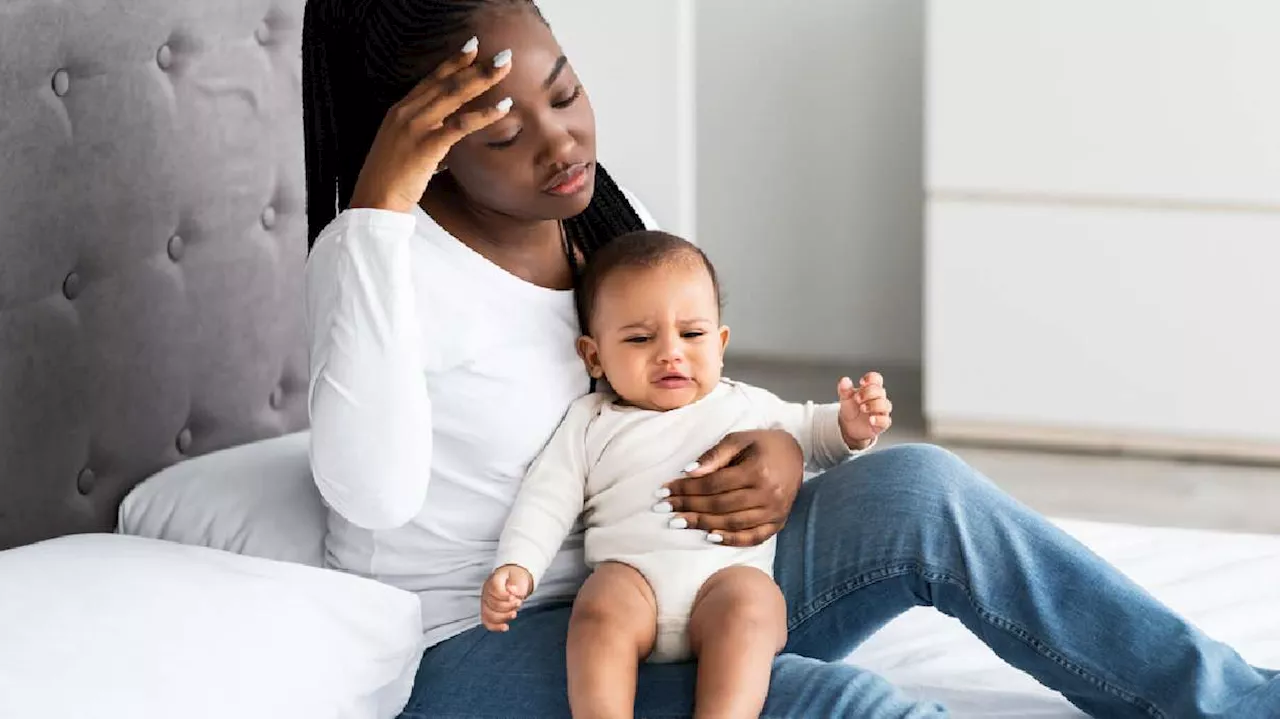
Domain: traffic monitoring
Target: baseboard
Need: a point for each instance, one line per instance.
(1059, 439)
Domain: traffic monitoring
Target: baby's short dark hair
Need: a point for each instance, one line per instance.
(647, 249)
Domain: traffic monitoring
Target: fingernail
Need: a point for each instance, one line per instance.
(663, 508)
(472, 45)
(678, 523)
(871, 421)
(690, 467)
(502, 59)
(505, 105)
(715, 538)
(662, 493)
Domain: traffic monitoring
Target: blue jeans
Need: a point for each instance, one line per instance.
(902, 527)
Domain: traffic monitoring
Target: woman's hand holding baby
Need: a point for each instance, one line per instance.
(741, 490)
(506, 590)
(864, 410)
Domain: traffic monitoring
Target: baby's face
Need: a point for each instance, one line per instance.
(656, 335)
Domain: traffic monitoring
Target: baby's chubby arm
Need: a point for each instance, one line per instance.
(829, 434)
(550, 499)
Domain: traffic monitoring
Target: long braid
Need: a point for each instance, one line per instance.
(359, 58)
(608, 217)
(320, 131)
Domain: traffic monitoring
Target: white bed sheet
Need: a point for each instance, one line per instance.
(1227, 584)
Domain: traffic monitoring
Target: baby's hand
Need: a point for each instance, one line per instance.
(506, 590)
(864, 410)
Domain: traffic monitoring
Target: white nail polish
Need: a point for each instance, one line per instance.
(505, 105)
(663, 508)
(662, 493)
(502, 59)
(715, 538)
(690, 467)
(678, 523)
(472, 45)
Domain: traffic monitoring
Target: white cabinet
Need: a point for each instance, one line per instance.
(1103, 240)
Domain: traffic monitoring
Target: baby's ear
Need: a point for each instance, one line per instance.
(589, 351)
(724, 339)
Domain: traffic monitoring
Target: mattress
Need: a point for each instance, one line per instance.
(1227, 584)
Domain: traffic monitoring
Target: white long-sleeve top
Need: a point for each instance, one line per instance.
(436, 378)
(607, 460)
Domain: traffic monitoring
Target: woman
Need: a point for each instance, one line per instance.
(442, 330)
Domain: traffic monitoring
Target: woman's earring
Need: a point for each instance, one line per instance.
(440, 168)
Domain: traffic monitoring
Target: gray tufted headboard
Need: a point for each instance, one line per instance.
(152, 240)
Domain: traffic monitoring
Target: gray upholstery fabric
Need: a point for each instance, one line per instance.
(152, 240)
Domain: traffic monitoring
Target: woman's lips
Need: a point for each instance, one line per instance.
(570, 182)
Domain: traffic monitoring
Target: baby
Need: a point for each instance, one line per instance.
(649, 304)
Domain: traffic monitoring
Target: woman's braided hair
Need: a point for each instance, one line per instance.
(359, 58)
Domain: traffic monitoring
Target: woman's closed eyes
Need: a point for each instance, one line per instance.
(567, 101)
(560, 104)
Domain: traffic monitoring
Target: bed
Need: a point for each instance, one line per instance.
(152, 376)
(1228, 584)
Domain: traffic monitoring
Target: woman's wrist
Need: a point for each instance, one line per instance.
(391, 203)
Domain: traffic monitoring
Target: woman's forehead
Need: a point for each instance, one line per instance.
(521, 31)
(537, 61)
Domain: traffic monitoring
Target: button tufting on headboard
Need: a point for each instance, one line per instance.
(71, 286)
(86, 481)
(176, 248)
(164, 57)
(184, 440)
(142, 195)
(61, 83)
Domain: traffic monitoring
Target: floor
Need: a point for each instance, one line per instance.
(1098, 487)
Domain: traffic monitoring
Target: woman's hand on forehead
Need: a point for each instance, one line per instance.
(419, 131)
(542, 60)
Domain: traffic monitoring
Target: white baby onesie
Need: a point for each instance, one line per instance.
(606, 461)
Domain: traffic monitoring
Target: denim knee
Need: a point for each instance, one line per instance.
(916, 472)
(925, 458)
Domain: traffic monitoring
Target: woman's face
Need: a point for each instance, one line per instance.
(538, 162)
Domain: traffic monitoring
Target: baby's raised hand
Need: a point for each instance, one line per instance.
(506, 590)
(864, 410)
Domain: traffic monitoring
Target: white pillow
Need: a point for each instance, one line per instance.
(256, 499)
(103, 626)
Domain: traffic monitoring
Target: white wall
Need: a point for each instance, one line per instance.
(636, 61)
(809, 185)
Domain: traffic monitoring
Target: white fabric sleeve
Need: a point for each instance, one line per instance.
(551, 496)
(815, 426)
(367, 398)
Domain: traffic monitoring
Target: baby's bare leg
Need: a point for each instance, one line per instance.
(738, 625)
(612, 629)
